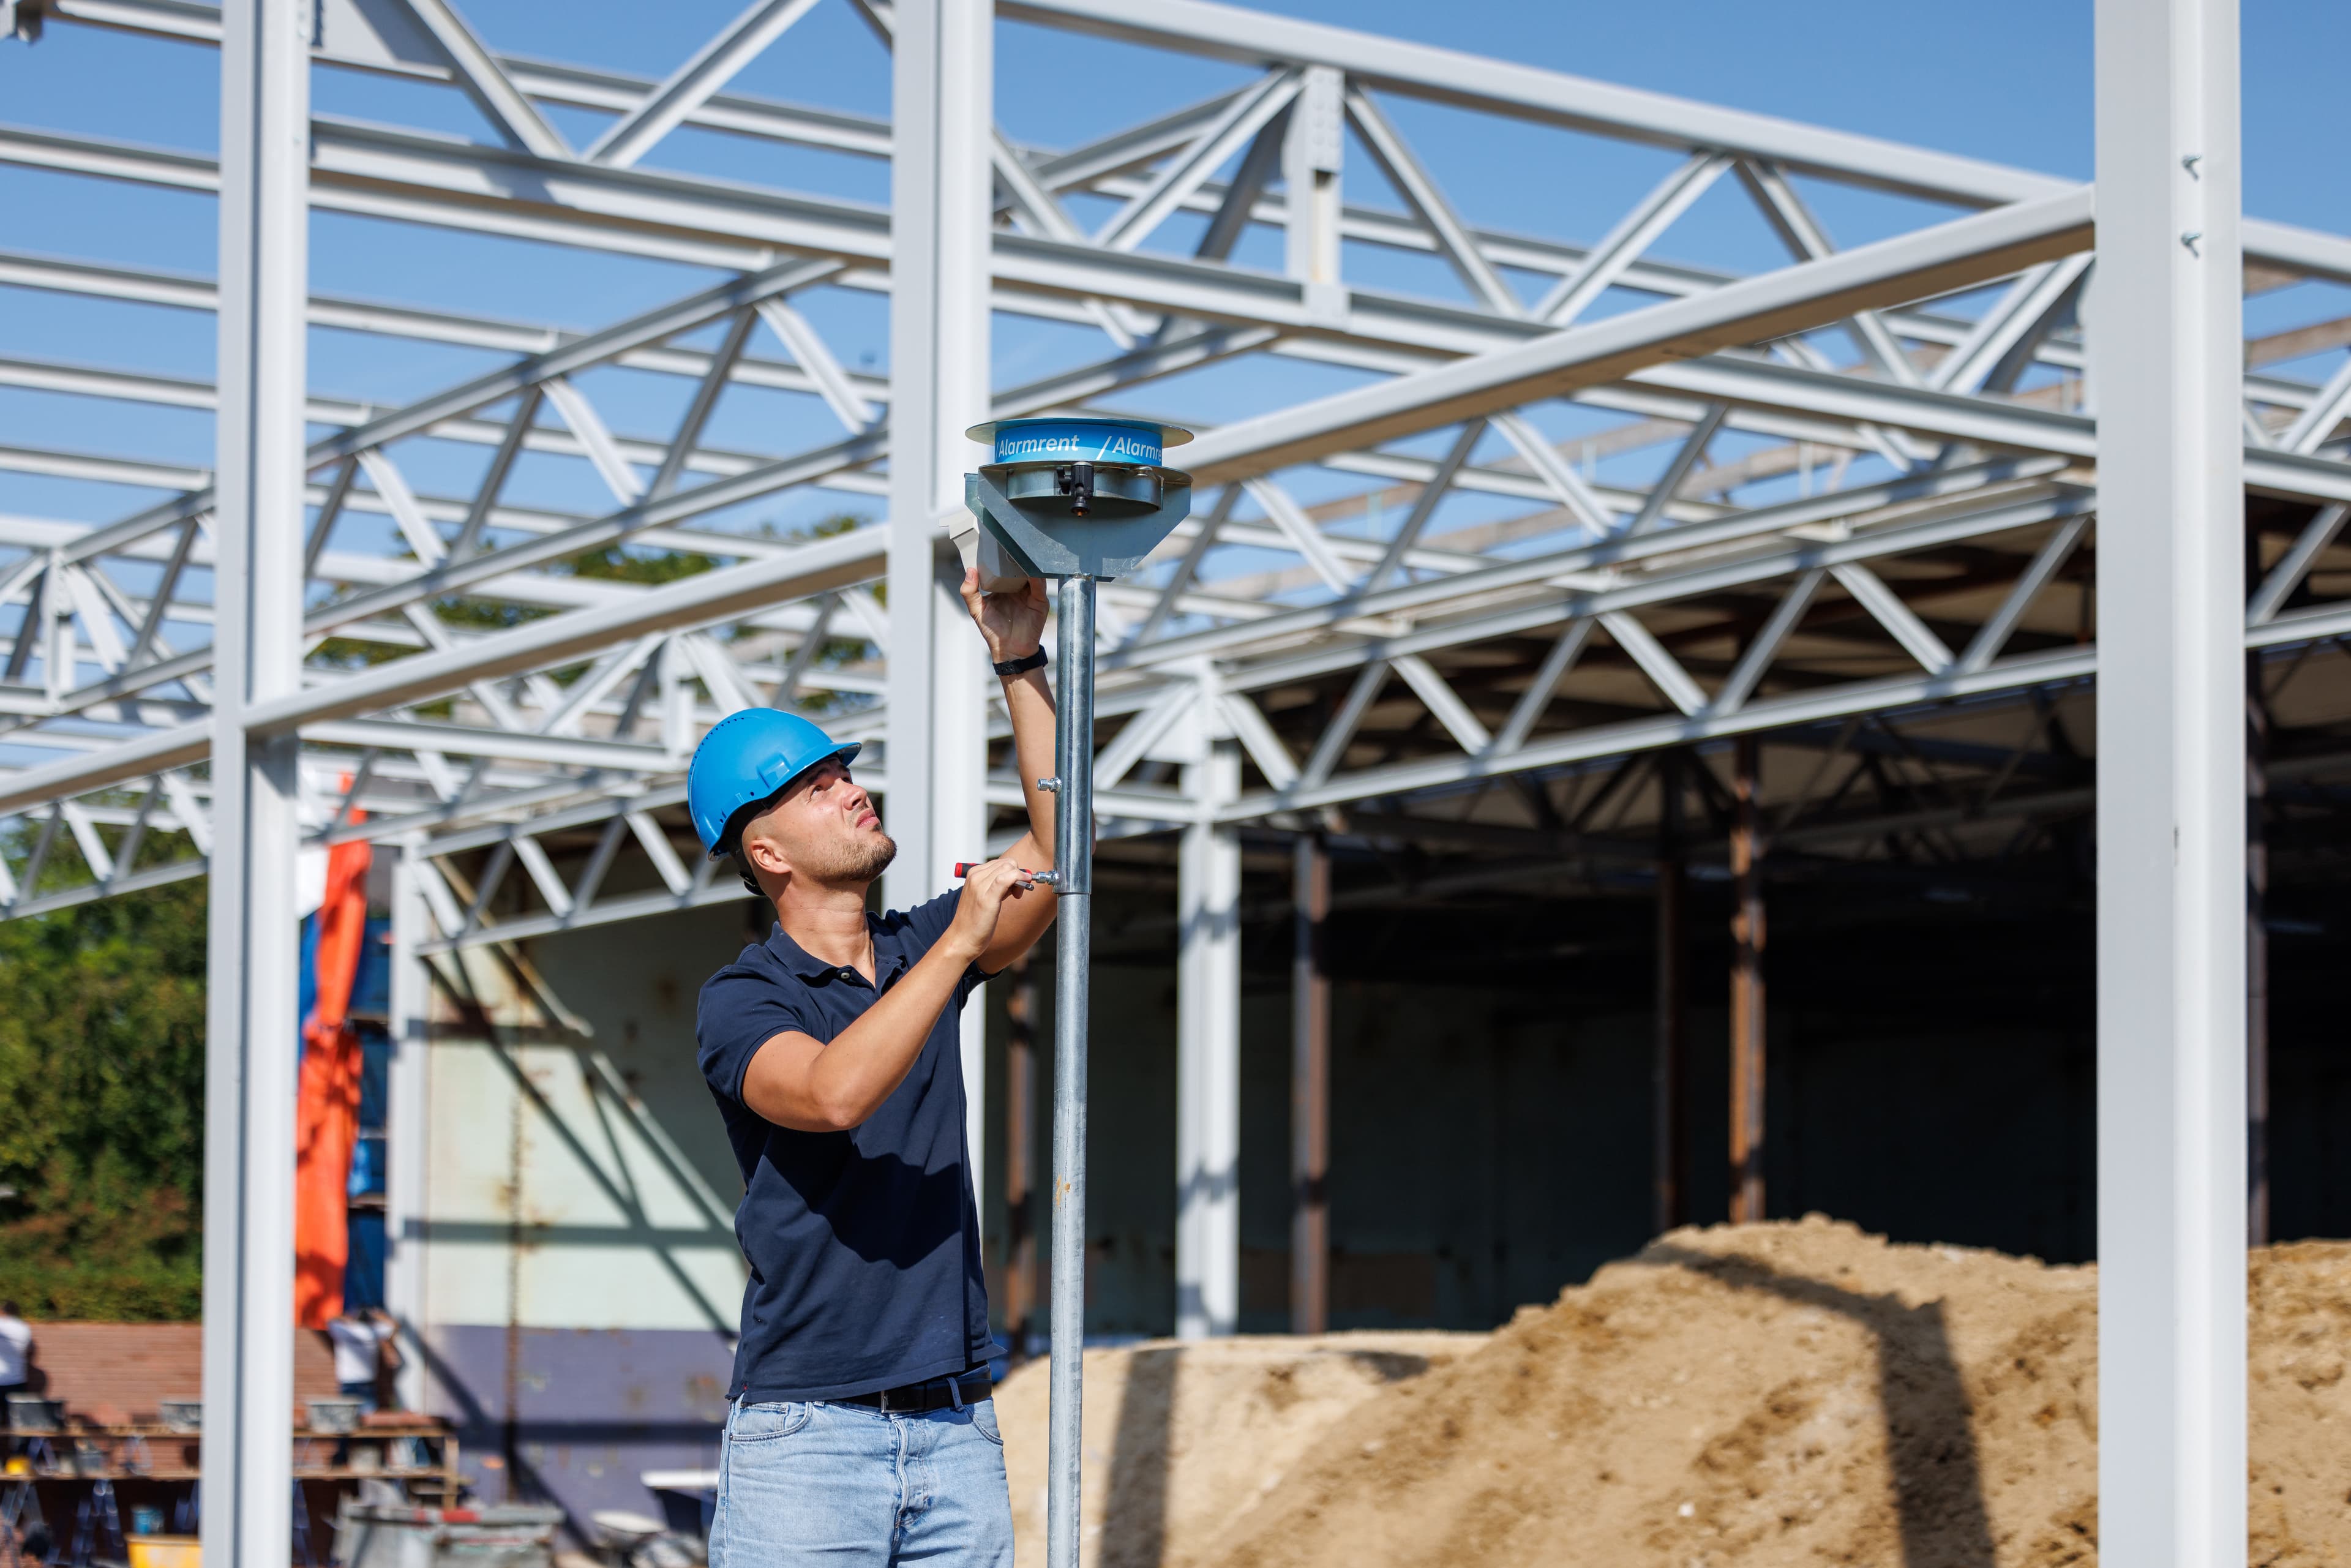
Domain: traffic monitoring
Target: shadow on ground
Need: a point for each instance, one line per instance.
(1930, 1432)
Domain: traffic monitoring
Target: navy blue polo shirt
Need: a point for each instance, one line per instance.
(863, 1245)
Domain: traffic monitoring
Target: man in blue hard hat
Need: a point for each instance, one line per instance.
(860, 1429)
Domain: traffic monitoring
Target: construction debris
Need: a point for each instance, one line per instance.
(1797, 1394)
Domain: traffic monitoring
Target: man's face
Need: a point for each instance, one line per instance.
(824, 830)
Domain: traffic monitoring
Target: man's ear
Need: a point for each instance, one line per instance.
(761, 853)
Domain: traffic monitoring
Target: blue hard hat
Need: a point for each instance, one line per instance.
(747, 757)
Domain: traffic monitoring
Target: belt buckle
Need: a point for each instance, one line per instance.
(882, 1399)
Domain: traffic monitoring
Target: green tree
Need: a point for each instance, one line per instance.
(101, 1107)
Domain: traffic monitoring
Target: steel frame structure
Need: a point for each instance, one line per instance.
(1297, 659)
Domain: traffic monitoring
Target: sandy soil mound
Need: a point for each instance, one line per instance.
(1797, 1394)
(1179, 1437)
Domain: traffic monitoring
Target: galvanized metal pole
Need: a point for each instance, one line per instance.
(1073, 862)
(2167, 344)
(251, 1032)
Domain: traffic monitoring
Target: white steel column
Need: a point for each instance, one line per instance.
(1312, 152)
(2167, 341)
(250, 1030)
(1209, 1058)
(407, 1101)
(942, 204)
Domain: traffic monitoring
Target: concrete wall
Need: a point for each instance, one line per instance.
(581, 1277)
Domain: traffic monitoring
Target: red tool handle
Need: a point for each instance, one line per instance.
(1045, 878)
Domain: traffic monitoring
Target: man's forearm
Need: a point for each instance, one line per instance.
(1029, 703)
(864, 1063)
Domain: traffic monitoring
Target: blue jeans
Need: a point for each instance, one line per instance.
(845, 1485)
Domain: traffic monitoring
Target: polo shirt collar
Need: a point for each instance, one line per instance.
(890, 958)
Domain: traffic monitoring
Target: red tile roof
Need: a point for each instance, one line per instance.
(114, 1373)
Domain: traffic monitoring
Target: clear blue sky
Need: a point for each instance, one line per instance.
(2006, 80)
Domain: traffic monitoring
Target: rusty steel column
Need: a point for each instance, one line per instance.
(2257, 958)
(1021, 1291)
(1671, 1199)
(1746, 991)
(1310, 1096)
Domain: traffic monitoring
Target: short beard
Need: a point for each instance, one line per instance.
(860, 862)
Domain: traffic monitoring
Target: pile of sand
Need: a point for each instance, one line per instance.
(1179, 1438)
(1773, 1393)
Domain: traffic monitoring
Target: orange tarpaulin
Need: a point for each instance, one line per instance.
(327, 1116)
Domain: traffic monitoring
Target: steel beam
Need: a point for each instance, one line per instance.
(1986, 421)
(410, 176)
(712, 597)
(2166, 341)
(407, 1104)
(2257, 956)
(1310, 1091)
(1747, 1018)
(1796, 298)
(1208, 1057)
(480, 76)
(1668, 1184)
(1313, 145)
(1511, 90)
(943, 76)
(1023, 1278)
(252, 1035)
(1414, 68)
(692, 84)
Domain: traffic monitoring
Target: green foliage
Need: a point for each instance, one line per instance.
(619, 563)
(830, 527)
(101, 1107)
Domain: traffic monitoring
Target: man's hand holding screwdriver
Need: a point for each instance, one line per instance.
(986, 887)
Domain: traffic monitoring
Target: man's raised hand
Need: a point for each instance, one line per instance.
(985, 889)
(1013, 623)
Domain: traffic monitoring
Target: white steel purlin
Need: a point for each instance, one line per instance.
(252, 1038)
(2166, 338)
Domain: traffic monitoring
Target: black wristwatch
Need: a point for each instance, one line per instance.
(1012, 668)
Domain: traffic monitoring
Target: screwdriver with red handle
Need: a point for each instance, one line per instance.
(1048, 878)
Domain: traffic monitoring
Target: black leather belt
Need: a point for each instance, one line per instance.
(922, 1398)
